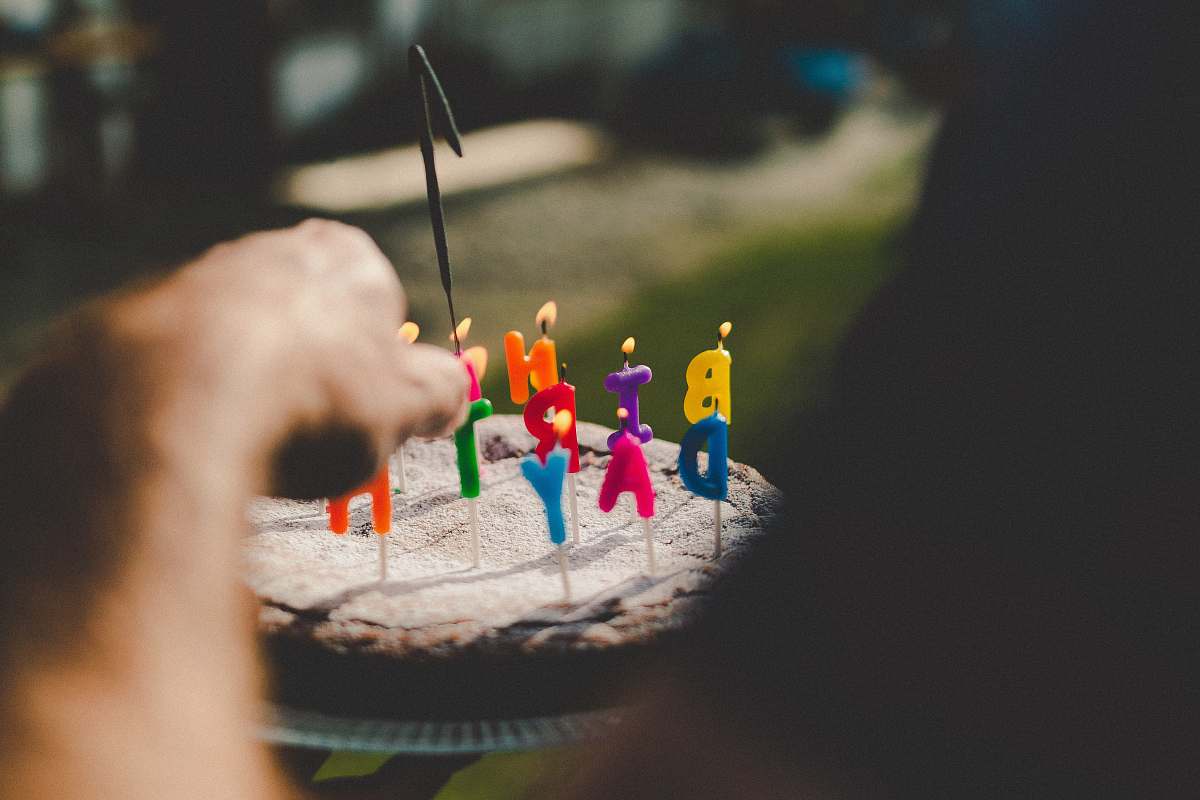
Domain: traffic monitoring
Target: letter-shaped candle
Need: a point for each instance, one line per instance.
(708, 382)
(468, 454)
(540, 367)
(473, 358)
(560, 397)
(379, 488)
(547, 481)
(624, 383)
(627, 472)
(714, 484)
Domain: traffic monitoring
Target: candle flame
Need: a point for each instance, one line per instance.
(628, 345)
(462, 330)
(622, 413)
(725, 328)
(562, 423)
(410, 331)
(547, 315)
(478, 356)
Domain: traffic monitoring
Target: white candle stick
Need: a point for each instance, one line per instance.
(649, 545)
(562, 570)
(716, 528)
(383, 558)
(473, 509)
(574, 490)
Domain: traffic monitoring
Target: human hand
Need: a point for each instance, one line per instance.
(282, 345)
(127, 455)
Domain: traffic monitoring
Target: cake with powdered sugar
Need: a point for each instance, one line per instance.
(439, 639)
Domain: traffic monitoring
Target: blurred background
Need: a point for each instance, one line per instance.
(654, 166)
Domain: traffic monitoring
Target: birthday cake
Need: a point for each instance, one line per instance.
(440, 639)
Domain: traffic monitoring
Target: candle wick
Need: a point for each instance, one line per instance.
(562, 375)
(544, 327)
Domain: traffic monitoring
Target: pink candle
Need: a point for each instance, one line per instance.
(627, 472)
(473, 358)
(474, 393)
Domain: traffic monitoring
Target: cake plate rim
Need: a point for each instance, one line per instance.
(316, 730)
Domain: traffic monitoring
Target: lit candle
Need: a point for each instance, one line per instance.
(468, 467)
(409, 332)
(627, 472)
(714, 483)
(547, 481)
(560, 398)
(708, 381)
(379, 488)
(624, 383)
(473, 358)
(540, 367)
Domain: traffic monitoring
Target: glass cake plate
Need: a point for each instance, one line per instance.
(310, 729)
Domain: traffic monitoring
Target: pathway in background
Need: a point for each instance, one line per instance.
(591, 239)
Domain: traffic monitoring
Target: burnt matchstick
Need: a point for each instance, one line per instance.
(422, 74)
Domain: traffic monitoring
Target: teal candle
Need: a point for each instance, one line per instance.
(468, 454)
(547, 481)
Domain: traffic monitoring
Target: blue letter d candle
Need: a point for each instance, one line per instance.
(714, 483)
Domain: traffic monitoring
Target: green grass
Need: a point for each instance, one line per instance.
(513, 776)
(791, 295)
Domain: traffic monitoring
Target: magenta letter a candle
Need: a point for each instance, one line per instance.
(627, 472)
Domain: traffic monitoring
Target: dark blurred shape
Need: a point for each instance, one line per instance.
(211, 119)
(988, 587)
(345, 456)
(711, 92)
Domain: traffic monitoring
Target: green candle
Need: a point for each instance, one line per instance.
(464, 442)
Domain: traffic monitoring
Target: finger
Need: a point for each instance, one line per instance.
(317, 269)
(353, 270)
(430, 398)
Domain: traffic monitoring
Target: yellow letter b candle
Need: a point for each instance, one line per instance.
(708, 382)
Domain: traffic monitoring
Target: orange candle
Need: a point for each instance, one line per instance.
(540, 367)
